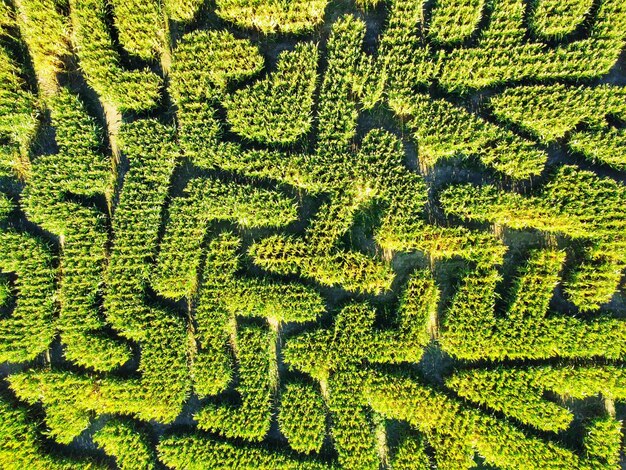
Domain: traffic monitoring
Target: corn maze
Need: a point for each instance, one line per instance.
(327, 234)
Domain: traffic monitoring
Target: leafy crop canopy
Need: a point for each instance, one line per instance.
(288, 234)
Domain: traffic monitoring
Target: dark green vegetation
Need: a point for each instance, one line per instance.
(288, 234)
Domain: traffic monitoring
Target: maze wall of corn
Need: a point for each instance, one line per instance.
(326, 234)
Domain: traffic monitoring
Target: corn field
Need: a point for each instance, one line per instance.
(327, 234)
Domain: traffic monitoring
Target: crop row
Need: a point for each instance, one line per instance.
(557, 112)
(127, 90)
(204, 63)
(502, 56)
(553, 19)
(141, 26)
(22, 447)
(77, 169)
(499, 442)
(30, 328)
(277, 110)
(529, 330)
(161, 334)
(273, 16)
(575, 203)
(18, 116)
(443, 130)
(333, 357)
(225, 295)
(190, 217)
(44, 30)
(519, 392)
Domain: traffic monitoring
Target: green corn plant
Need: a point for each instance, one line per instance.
(273, 16)
(410, 454)
(142, 27)
(277, 110)
(302, 417)
(594, 214)
(497, 440)
(129, 445)
(454, 21)
(30, 328)
(527, 331)
(198, 451)
(77, 169)
(554, 20)
(443, 130)
(45, 31)
(176, 272)
(21, 445)
(126, 90)
(503, 56)
(203, 64)
(256, 357)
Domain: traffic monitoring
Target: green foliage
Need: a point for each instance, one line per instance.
(127, 90)
(451, 453)
(411, 454)
(333, 357)
(204, 62)
(5, 292)
(276, 301)
(557, 112)
(162, 334)
(302, 417)
(30, 328)
(528, 331)
(152, 154)
(182, 10)
(7, 17)
(551, 112)
(130, 446)
(343, 81)
(374, 174)
(71, 400)
(603, 442)
(442, 243)
(498, 441)
(277, 109)
(211, 367)
(594, 214)
(243, 253)
(606, 146)
(78, 169)
(417, 314)
(518, 392)
(404, 61)
(351, 270)
(256, 358)
(443, 130)
(454, 21)
(223, 295)
(507, 391)
(273, 16)
(44, 30)
(553, 19)
(198, 452)
(489, 204)
(502, 56)
(141, 26)
(18, 109)
(206, 201)
(21, 446)
(6, 206)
